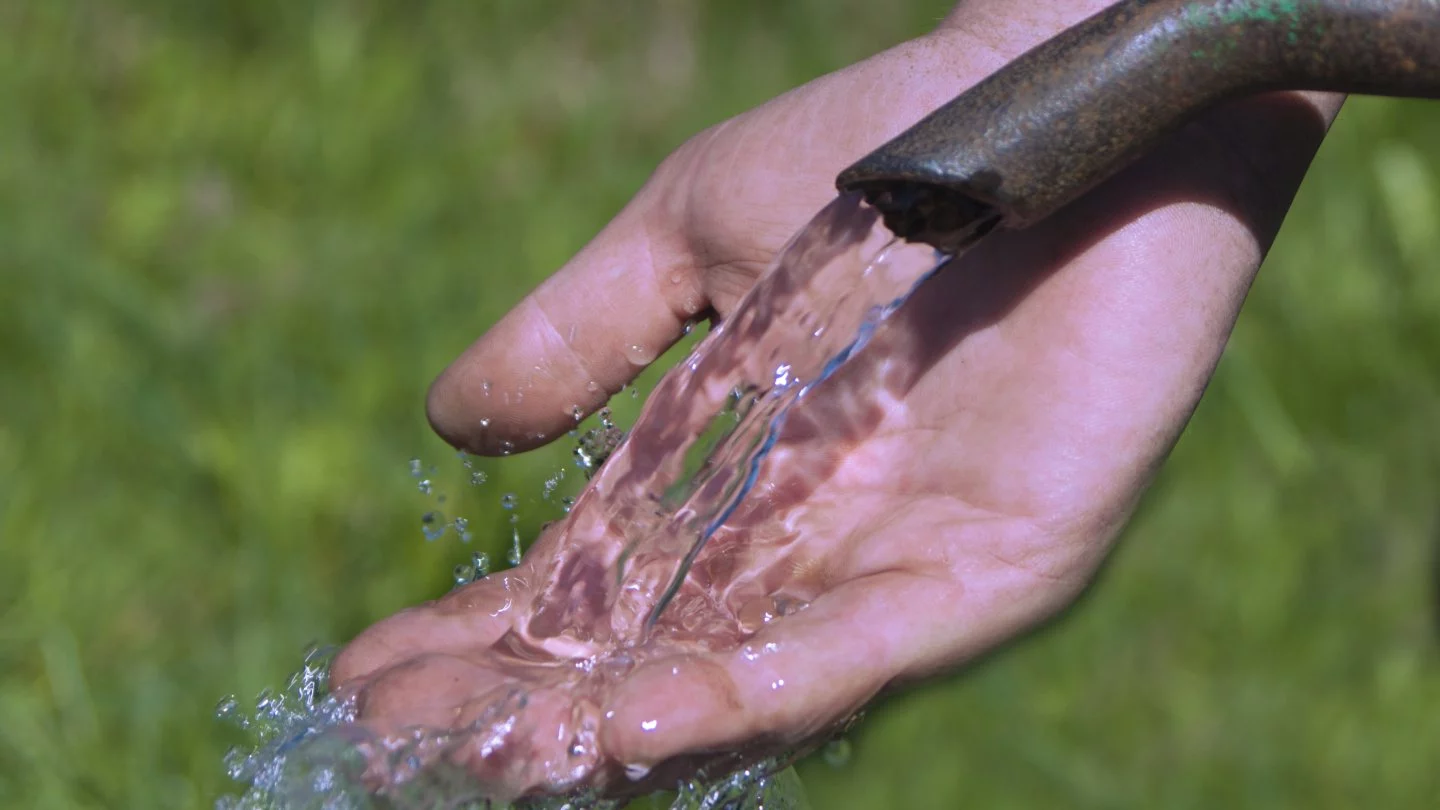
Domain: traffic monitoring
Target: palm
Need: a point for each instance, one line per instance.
(995, 436)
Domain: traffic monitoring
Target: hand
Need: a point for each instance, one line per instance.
(1001, 428)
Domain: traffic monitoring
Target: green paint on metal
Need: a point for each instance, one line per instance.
(1205, 14)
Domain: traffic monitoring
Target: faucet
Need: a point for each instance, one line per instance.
(1075, 110)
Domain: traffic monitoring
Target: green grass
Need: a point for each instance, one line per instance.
(238, 238)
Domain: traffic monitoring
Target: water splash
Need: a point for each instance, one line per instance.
(432, 525)
(758, 787)
(701, 438)
(295, 759)
(597, 444)
(516, 552)
(306, 753)
(615, 588)
(836, 753)
(473, 571)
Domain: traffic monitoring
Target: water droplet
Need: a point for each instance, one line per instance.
(567, 503)
(639, 355)
(551, 484)
(577, 413)
(513, 557)
(506, 447)
(416, 467)
(508, 500)
(687, 327)
(634, 392)
(465, 460)
(432, 524)
(478, 477)
(460, 524)
(785, 606)
(485, 387)
(584, 460)
(635, 772)
(837, 753)
(324, 781)
(676, 277)
(481, 561)
(236, 763)
(226, 708)
(424, 486)
(593, 387)
(484, 423)
(464, 574)
(782, 375)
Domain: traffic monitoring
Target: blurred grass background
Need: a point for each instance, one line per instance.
(238, 237)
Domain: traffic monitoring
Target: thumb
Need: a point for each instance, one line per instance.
(575, 340)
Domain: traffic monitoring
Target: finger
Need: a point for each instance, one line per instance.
(428, 691)
(574, 340)
(470, 618)
(438, 707)
(542, 739)
(807, 672)
(514, 729)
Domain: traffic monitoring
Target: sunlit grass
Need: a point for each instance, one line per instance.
(238, 239)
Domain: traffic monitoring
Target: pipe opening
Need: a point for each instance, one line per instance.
(923, 212)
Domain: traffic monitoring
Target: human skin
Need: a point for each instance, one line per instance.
(1043, 379)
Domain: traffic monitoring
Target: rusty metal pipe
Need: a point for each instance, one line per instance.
(1071, 112)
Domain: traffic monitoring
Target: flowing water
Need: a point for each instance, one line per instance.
(620, 582)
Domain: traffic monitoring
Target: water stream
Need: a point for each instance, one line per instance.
(615, 584)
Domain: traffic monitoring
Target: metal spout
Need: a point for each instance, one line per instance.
(1075, 110)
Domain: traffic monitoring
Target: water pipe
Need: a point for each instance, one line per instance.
(1075, 110)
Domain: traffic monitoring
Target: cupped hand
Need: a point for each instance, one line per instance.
(954, 485)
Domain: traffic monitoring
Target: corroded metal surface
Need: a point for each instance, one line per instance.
(1073, 111)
